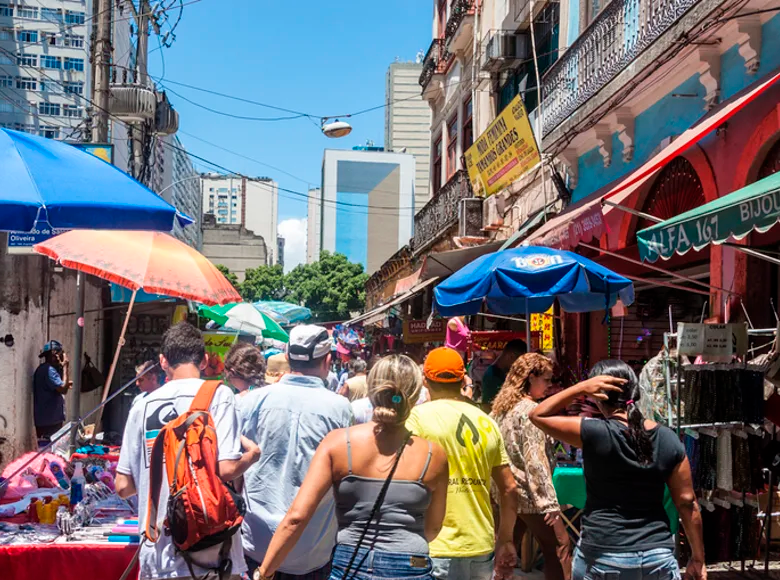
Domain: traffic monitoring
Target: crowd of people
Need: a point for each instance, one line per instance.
(392, 471)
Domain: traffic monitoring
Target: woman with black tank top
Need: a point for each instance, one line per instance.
(627, 461)
(390, 487)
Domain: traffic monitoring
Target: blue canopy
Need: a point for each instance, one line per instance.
(284, 312)
(53, 182)
(528, 280)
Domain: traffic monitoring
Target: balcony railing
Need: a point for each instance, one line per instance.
(441, 212)
(458, 11)
(435, 61)
(615, 38)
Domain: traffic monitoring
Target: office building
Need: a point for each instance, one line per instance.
(280, 251)
(249, 202)
(408, 123)
(44, 67)
(314, 226)
(364, 190)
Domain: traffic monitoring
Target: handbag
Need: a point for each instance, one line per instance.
(91, 378)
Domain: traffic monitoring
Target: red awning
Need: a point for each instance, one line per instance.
(591, 221)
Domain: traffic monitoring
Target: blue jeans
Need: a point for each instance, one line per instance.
(375, 564)
(474, 568)
(656, 564)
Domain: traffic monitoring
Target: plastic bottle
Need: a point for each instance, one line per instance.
(59, 474)
(77, 484)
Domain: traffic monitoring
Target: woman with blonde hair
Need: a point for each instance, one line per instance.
(390, 487)
(531, 455)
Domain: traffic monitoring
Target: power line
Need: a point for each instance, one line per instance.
(232, 116)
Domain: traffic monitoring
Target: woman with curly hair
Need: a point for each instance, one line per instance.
(245, 367)
(531, 455)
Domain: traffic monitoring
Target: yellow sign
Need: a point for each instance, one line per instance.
(505, 151)
(543, 324)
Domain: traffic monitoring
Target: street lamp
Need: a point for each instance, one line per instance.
(335, 129)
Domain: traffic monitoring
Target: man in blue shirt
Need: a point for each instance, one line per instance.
(50, 384)
(288, 420)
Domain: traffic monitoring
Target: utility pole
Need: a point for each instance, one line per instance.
(102, 71)
(142, 79)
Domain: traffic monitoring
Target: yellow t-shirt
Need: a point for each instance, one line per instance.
(474, 447)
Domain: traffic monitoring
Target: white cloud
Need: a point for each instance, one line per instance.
(294, 233)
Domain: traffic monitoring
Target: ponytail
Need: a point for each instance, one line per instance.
(636, 435)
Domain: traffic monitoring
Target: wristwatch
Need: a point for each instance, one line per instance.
(259, 576)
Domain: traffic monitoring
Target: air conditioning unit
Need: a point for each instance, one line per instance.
(470, 217)
(504, 49)
(493, 213)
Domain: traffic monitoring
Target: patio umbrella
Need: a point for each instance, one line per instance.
(243, 316)
(529, 279)
(284, 312)
(151, 261)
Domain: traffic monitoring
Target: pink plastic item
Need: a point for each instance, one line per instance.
(17, 486)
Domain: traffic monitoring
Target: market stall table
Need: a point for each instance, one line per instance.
(66, 561)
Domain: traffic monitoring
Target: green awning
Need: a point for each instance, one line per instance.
(755, 207)
(523, 231)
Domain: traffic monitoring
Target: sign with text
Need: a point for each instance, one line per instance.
(543, 324)
(496, 340)
(712, 339)
(417, 331)
(504, 152)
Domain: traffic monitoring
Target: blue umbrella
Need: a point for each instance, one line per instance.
(284, 312)
(529, 279)
(57, 183)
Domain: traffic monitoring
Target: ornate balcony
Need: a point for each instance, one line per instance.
(441, 212)
(460, 26)
(623, 30)
(434, 66)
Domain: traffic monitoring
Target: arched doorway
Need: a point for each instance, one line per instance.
(771, 163)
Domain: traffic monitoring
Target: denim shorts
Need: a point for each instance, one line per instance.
(473, 568)
(655, 564)
(378, 565)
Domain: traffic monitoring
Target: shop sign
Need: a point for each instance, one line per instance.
(497, 340)
(583, 227)
(543, 325)
(418, 332)
(217, 346)
(504, 152)
(712, 339)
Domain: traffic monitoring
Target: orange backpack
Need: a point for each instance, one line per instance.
(202, 510)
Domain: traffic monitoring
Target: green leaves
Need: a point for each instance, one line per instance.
(232, 278)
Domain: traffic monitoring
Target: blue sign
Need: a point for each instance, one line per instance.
(22, 242)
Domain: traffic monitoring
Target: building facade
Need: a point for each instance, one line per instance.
(314, 226)
(249, 202)
(233, 246)
(186, 195)
(367, 204)
(408, 123)
(44, 67)
(280, 251)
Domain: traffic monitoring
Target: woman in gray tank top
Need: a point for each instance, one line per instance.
(390, 487)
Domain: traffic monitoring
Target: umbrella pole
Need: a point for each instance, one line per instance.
(110, 377)
(78, 348)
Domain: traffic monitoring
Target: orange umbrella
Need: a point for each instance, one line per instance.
(153, 261)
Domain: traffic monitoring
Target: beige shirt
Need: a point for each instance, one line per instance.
(358, 387)
(531, 460)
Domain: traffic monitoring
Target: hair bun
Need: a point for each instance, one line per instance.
(386, 416)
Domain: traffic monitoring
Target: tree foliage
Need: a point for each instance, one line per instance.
(231, 277)
(331, 288)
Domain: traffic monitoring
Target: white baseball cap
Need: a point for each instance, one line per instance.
(308, 342)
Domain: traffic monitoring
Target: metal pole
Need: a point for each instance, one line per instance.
(102, 71)
(142, 54)
(78, 353)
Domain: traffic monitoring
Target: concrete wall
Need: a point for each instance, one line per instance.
(233, 246)
(37, 305)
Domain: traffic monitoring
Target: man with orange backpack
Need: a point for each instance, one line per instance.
(193, 425)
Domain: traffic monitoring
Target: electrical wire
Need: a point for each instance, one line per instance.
(232, 116)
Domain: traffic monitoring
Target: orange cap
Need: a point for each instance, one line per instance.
(444, 365)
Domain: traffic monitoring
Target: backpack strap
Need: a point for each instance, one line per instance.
(202, 400)
(155, 481)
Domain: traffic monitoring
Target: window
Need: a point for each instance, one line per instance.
(49, 61)
(51, 15)
(6, 107)
(222, 190)
(74, 87)
(6, 34)
(452, 146)
(6, 10)
(437, 166)
(51, 86)
(442, 18)
(27, 12)
(6, 81)
(26, 83)
(468, 129)
(74, 40)
(49, 132)
(74, 17)
(27, 36)
(72, 111)
(52, 109)
(74, 64)
(5, 59)
(26, 127)
(27, 59)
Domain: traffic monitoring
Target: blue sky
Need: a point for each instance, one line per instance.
(323, 58)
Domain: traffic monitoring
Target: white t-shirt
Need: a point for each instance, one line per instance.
(364, 410)
(147, 416)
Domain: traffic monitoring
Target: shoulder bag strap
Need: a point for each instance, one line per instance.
(202, 400)
(377, 504)
(155, 481)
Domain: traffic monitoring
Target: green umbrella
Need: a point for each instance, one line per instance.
(244, 317)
